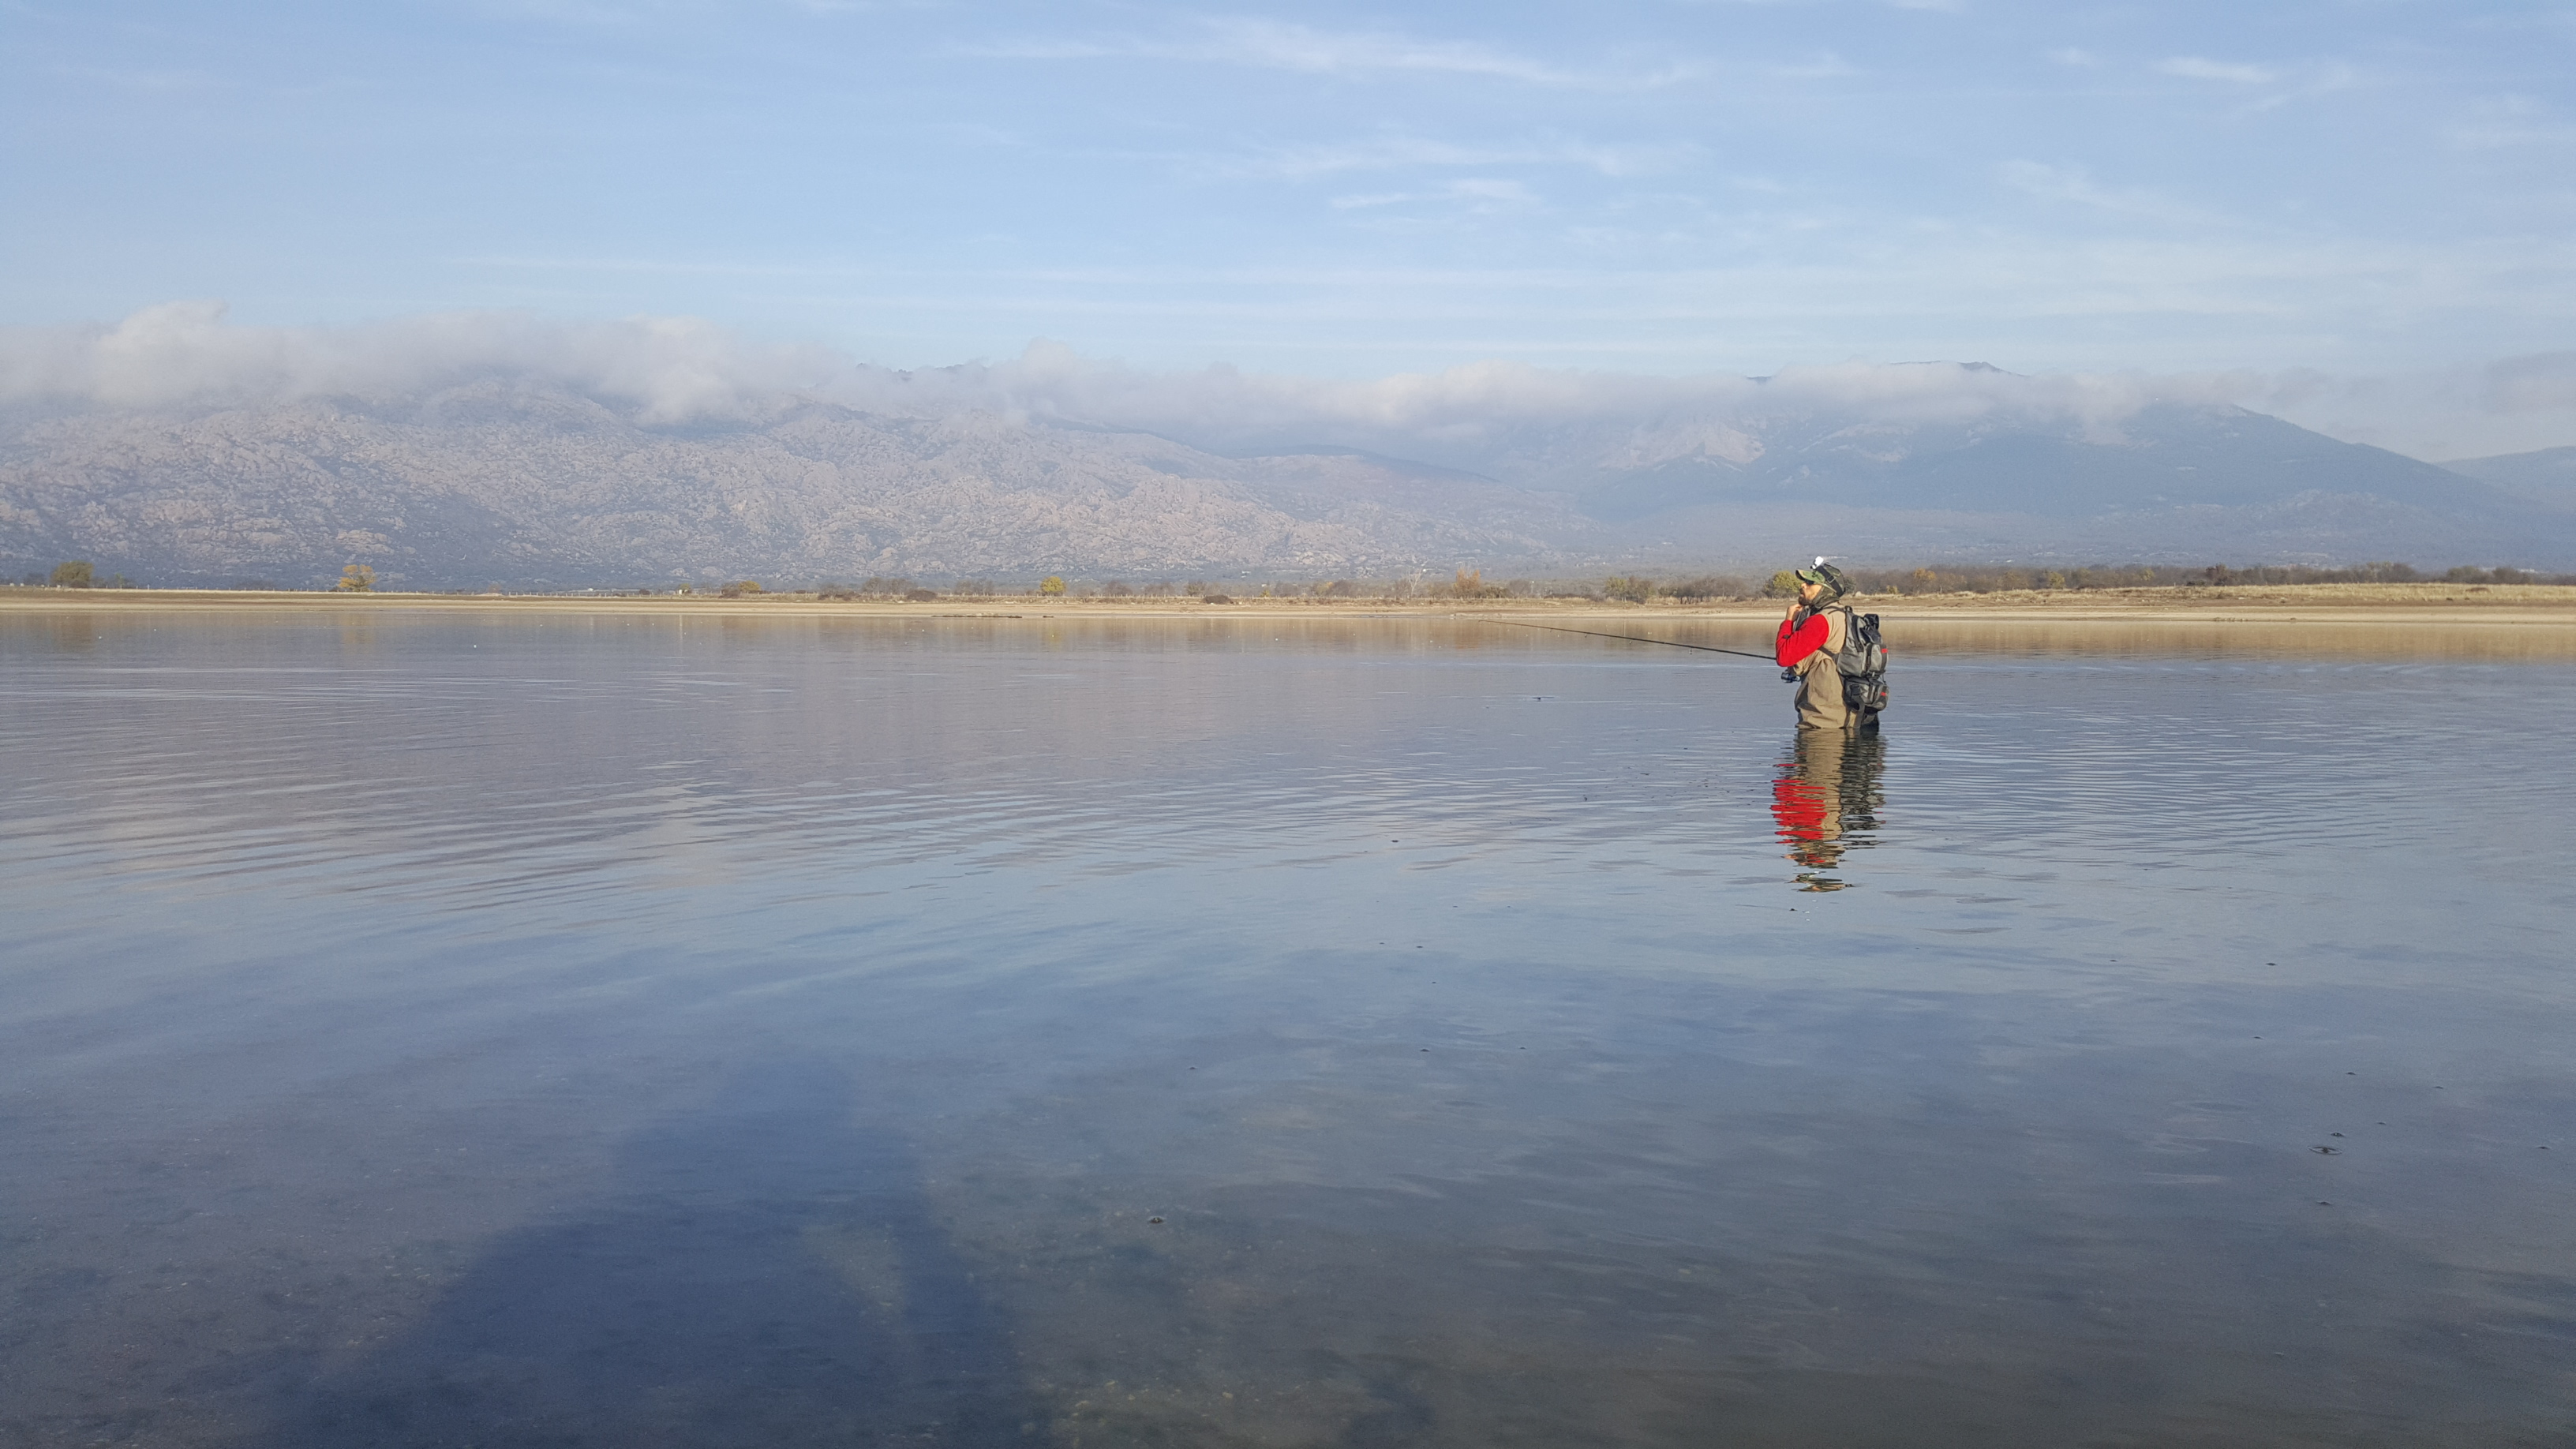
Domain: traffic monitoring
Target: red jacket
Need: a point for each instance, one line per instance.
(1797, 640)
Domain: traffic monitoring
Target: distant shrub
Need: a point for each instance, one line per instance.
(1052, 586)
(739, 588)
(1215, 599)
(73, 574)
(1782, 585)
(1712, 586)
(1339, 589)
(972, 588)
(1469, 584)
(1118, 589)
(1991, 578)
(836, 592)
(1636, 590)
(919, 596)
(356, 579)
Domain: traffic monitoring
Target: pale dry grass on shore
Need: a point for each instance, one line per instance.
(2505, 623)
(2532, 603)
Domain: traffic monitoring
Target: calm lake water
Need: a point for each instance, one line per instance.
(641, 1031)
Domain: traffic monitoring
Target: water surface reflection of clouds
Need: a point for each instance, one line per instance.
(792, 1033)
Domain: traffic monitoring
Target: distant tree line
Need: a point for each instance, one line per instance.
(73, 574)
(1468, 584)
(2003, 578)
(1988, 579)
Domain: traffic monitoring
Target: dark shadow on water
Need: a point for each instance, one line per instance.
(1825, 798)
(763, 1273)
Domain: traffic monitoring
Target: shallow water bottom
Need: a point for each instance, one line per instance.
(619, 1033)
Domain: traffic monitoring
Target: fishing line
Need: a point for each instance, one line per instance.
(1630, 638)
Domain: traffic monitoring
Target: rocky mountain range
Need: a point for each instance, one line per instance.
(533, 484)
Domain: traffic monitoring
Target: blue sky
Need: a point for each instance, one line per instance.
(2378, 198)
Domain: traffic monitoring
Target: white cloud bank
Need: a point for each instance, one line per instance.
(187, 356)
(184, 354)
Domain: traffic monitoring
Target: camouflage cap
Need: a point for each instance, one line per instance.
(1825, 576)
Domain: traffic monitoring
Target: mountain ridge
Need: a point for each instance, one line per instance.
(534, 484)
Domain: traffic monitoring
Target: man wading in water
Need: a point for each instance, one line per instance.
(1818, 643)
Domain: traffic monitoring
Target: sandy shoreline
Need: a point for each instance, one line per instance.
(2516, 606)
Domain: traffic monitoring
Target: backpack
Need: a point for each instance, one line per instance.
(1862, 662)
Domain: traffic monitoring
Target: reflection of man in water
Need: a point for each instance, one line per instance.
(1825, 800)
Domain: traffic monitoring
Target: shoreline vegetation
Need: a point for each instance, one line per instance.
(2532, 604)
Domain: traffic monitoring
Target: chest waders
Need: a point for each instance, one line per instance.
(1861, 663)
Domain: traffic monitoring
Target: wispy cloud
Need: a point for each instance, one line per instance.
(2076, 184)
(2071, 55)
(2280, 84)
(1393, 153)
(1482, 194)
(1279, 45)
(2311, 82)
(2193, 67)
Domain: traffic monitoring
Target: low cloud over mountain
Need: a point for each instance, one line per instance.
(472, 448)
(2547, 477)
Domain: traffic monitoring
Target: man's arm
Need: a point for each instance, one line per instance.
(1800, 638)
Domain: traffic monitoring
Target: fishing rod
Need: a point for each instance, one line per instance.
(1630, 638)
(1823, 569)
